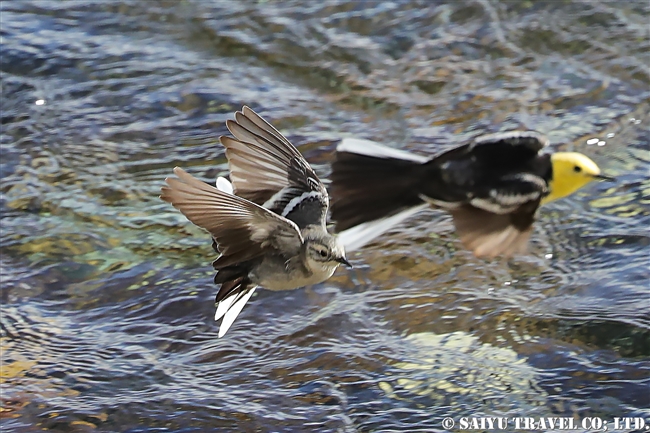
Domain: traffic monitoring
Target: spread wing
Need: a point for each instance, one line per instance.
(241, 229)
(268, 170)
(488, 234)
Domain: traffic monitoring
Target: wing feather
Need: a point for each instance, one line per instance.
(268, 170)
(487, 234)
(241, 229)
(530, 141)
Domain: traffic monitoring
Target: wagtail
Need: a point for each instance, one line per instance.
(272, 231)
(492, 186)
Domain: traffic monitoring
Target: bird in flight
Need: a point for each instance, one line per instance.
(271, 230)
(492, 187)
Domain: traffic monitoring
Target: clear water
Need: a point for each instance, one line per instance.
(107, 299)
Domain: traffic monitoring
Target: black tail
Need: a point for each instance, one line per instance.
(366, 188)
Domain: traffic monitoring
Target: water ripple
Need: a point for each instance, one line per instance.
(107, 294)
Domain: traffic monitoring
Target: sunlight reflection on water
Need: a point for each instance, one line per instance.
(107, 292)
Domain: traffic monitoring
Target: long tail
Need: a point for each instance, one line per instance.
(232, 297)
(356, 237)
(371, 181)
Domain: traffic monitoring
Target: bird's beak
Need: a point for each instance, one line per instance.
(605, 177)
(344, 261)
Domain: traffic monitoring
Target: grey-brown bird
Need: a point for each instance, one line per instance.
(271, 232)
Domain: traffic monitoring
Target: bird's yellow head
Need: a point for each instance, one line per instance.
(571, 171)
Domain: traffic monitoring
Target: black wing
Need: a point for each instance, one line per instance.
(496, 184)
(491, 166)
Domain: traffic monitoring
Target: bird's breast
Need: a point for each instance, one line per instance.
(279, 275)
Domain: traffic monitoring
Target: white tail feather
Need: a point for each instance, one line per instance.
(224, 185)
(223, 306)
(362, 146)
(233, 312)
(358, 236)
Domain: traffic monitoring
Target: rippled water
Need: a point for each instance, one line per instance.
(107, 299)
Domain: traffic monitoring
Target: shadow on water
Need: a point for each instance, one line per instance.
(107, 294)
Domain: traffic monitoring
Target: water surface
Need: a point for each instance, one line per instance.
(107, 298)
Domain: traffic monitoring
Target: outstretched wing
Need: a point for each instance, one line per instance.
(241, 229)
(268, 170)
(488, 234)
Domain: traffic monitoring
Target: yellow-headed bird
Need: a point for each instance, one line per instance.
(492, 186)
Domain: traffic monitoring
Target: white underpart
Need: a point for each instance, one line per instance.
(360, 235)
(233, 312)
(361, 146)
(297, 200)
(224, 185)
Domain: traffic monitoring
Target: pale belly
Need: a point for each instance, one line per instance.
(274, 277)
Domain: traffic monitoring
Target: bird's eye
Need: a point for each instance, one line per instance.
(577, 169)
(323, 253)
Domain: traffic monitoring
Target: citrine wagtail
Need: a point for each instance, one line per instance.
(491, 186)
(271, 232)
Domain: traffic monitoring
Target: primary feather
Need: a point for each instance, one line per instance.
(267, 169)
(267, 222)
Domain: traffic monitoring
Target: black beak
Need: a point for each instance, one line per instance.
(605, 177)
(344, 261)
